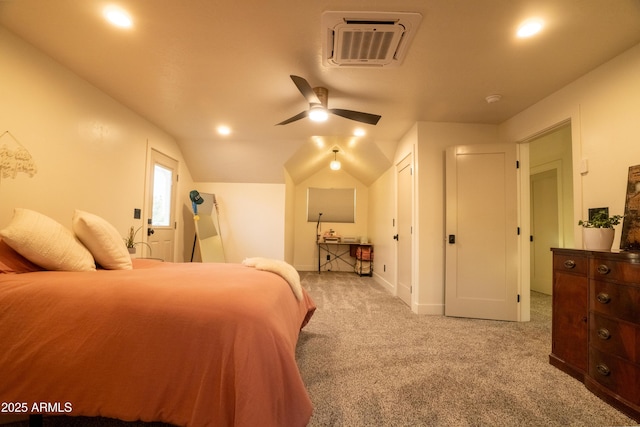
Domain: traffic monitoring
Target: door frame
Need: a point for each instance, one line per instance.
(148, 209)
(524, 202)
(413, 289)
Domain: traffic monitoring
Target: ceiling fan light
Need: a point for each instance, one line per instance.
(318, 114)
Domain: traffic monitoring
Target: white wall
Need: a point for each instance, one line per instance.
(90, 151)
(306, 253)
(382, 213)
(252, 218)
(604, 110)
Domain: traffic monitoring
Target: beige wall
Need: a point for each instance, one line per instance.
(252, 218)
(289, 218)
(90, 151)
(604, 109)
(382, 213)
(306, 254)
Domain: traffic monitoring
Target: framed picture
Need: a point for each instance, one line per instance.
(630, 239)
(594, 211)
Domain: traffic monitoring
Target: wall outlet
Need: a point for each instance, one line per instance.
(137, 213)
(328, 257)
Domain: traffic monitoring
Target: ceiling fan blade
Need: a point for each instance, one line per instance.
(305, 89)
(294, 118)
(370, 119)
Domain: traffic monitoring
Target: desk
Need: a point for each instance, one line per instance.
(347, 253)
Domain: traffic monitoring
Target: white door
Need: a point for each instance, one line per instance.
(404, 236)
(481, 271)
(161, 195)
(544, 228)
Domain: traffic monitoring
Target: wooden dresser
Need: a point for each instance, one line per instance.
(596, 323)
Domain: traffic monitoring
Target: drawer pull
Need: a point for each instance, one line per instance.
(603, 269)
(570, 263)
(603, 370)
(603, 298)
(604, 334)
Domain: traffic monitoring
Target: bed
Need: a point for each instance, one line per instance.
(189, 344)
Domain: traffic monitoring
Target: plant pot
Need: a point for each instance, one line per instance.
(598, 239)
(132, 252)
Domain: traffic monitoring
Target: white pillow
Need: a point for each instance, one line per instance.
(46, 243)
(103, 241)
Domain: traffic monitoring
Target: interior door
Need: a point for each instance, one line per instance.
(481, 271)
(544, 229)
(404, 236)
(161, 194)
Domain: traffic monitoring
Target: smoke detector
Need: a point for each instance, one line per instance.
(367, 39)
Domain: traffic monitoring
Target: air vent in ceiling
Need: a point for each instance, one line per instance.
(373, 39)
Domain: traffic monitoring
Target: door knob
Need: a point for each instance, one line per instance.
(150, 231)
(395, 237)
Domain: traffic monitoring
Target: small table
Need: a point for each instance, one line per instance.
(342, 251)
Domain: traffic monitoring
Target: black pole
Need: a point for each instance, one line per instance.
(195, 237)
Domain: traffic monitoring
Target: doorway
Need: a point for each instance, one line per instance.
(161, 196)
(405, 230)
(544, 227)
(551, 201)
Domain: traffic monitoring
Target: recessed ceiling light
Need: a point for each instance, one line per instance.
(530, 27)
(224, 130)
(118, 17)
(359, 132)
(318, 141)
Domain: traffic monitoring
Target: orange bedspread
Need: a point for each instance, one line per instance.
(188, 344)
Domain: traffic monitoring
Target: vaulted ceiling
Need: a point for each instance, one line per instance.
(190, 66)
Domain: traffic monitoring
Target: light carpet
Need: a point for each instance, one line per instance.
(367, 360)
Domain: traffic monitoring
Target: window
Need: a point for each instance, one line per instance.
(162, 185)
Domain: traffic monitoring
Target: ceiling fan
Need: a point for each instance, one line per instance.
(318, 111)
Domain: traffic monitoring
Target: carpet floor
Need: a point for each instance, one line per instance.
(367, 360)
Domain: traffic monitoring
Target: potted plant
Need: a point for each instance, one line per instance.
(130, 241)
(598, 232)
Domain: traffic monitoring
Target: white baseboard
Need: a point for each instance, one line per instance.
(431, 309)
(306, 267)
(385, 283)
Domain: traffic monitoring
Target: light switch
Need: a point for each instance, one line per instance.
(584, 166)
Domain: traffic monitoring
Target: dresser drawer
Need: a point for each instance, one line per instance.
(615, 300)
(615, 337)
(616, 374)
(621, 271)
(570, 263)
